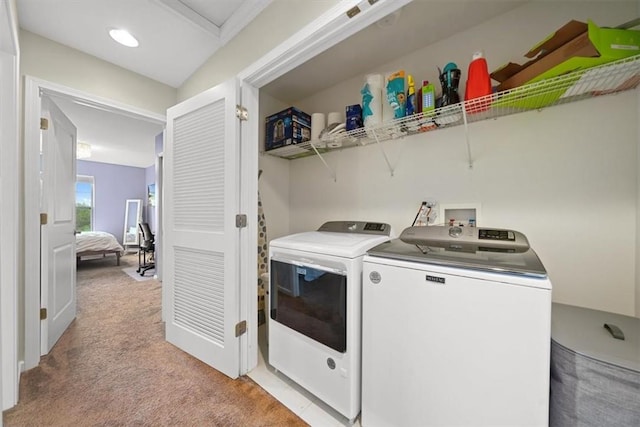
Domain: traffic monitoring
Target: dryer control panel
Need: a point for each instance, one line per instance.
(359, 227)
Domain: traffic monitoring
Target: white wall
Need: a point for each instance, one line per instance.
(566, 176)
(275, 179)
(9, 217)
(568, 187)
(275, 24)
(56, 63)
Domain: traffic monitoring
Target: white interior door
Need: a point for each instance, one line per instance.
(201, 241)
(58, 249)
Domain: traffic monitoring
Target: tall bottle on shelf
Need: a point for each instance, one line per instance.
(396, 95)
(427, 97)
(449, 79)
(411, 96)
(478, 84)
(427, 105)
(372, 101)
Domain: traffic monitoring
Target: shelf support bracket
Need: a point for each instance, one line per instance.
(386, 159)
(326, 165)
(466, 133)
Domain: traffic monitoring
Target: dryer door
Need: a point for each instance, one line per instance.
(310, 299)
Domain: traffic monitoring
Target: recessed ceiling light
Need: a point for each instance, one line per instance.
(83, 150)
(123, 37)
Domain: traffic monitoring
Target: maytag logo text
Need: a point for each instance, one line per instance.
(435, 279)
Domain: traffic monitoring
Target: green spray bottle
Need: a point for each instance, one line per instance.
(428, 97)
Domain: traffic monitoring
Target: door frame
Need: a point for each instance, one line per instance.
(324, 32)
(33, 87)
(9, 217)
(327, 30)
(159, 223)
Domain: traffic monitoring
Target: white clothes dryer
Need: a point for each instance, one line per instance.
(456, 330)
(315, 309)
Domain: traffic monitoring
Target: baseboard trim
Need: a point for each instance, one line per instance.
(20, 371)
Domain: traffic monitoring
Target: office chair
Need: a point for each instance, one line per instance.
(147, 249)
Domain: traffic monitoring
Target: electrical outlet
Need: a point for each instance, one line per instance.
(432, 204)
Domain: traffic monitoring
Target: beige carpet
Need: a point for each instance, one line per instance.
(133, 273)
(112, 367)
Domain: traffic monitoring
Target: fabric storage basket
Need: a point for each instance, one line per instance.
(595, 377)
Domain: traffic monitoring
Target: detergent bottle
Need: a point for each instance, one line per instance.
(449, 79)
(478, 84)
(411, 97)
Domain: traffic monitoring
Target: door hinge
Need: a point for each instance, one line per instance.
(241, 328)
(353, 11)
(43, 219)
(44, 123)
(43, 313)
(242, 113)
(241, 221)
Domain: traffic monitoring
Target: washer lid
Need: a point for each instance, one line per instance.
(496, 257)
(345, 245)
(583, 331)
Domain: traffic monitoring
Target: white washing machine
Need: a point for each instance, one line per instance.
(315, 309)
(456, 330)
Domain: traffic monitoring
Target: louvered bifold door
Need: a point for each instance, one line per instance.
(201, 241)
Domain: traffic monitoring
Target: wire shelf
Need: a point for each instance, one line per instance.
(605, 79)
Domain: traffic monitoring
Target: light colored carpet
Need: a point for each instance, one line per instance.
(131, 272)
(112, 367)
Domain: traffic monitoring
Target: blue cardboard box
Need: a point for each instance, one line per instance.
(290, 126)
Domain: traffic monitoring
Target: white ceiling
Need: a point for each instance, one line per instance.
(176, 37)
(416, 25)
(114, 138)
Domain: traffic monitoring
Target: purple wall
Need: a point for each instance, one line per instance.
(114, 184)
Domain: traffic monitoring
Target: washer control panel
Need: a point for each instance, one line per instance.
(455, 231)
(448, 235)
(489, 234)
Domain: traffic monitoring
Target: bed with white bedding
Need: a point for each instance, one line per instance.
(91, 243)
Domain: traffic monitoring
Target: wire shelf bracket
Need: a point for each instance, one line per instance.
(384, 154)
(326, 165)
(466, 136)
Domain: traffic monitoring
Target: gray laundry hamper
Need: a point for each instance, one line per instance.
(595, 374)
